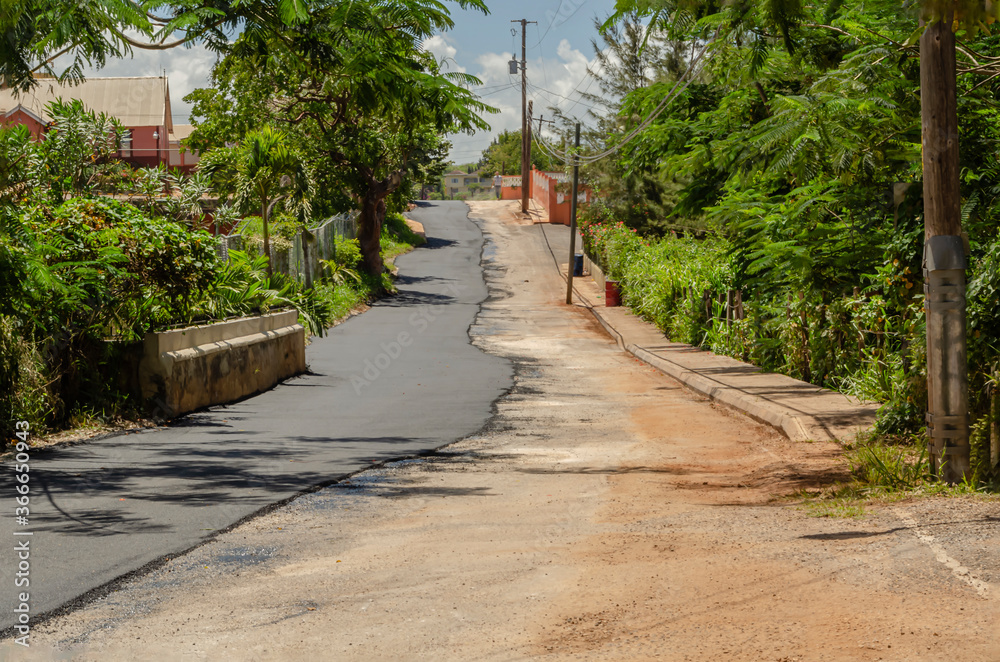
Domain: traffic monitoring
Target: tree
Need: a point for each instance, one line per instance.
(796, 155)
(357, 90)
(504, 155)
(268, 171)
(77, 148)
(38, 33)
(630, 57)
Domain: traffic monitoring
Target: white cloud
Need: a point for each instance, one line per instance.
(443, 52)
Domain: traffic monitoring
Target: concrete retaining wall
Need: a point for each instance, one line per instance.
(187, 369)
(590, 267)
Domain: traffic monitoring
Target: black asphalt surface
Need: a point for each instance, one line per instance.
(102, 509)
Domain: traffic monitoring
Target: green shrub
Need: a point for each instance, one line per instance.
(870, 345)
(111, 271)
(23, 392)
(347, 252)
(89, 271)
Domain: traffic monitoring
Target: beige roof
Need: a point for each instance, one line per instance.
(137, 101)
(181, 131)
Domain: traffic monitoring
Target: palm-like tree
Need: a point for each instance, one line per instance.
(268, 171)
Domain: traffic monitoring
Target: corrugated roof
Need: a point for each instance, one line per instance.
(181, 131)
(135, 101)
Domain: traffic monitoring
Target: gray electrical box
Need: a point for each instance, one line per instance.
(513, 66)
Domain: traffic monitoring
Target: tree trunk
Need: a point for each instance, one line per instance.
(944, 257)
(370, 233)
(371, 218)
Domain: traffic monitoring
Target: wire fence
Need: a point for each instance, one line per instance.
(300, 260)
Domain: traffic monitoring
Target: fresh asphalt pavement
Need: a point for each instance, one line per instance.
(400, 379)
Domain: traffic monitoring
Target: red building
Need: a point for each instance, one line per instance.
(141, 104)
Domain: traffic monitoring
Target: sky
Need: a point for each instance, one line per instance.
(558, 53)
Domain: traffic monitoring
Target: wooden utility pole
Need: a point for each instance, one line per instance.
(572, 219)
(944, 257)
(525, 143)
(531, 130)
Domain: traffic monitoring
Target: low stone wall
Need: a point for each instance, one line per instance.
(595, 272)
(186, 369)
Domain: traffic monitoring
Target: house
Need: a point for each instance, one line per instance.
(140, 103)
(458, 182)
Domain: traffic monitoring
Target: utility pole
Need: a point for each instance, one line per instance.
(572, 219)
(531, 129)
(944, 257)
(525, 144)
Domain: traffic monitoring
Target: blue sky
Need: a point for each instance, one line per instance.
(559, 52)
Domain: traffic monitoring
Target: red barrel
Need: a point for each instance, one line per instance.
(612, 295)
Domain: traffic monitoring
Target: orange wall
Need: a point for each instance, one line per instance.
(510, 193)
(544, 193)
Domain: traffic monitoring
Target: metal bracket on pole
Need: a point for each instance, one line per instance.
(947, 380)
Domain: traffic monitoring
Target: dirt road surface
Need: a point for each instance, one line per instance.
(606, 513)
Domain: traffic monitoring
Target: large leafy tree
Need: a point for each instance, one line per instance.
(354, 85)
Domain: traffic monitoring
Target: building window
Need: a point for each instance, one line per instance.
(454, 180)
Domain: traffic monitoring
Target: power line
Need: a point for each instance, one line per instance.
(675, 91)
(542, 90)
(541, 57)
(593, 77)
(503, 89)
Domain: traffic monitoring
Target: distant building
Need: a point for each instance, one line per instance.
(459, 182)
(141, 104)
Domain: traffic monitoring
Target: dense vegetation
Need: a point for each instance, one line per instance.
(789, 168)
(317, 108)
(85, 280)
(364, 106)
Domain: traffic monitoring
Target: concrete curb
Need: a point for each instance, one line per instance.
(754, 407)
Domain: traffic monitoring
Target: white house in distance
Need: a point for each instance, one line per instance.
(459, 181)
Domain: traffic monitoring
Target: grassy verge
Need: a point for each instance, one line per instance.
(886, 470)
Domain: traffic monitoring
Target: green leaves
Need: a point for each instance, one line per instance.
(293, 11)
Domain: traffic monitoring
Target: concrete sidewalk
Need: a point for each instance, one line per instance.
(803, 411)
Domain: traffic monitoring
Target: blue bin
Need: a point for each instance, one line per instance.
(578, 264)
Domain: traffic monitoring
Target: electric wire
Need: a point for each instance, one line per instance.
(674, 92)
(543, 91)
(593, 77)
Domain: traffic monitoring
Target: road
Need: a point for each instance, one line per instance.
(604, 513)
(105, 508)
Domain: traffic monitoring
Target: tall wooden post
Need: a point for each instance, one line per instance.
(525, 145)
(944, 257)
(528, 124)
(572, 218)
